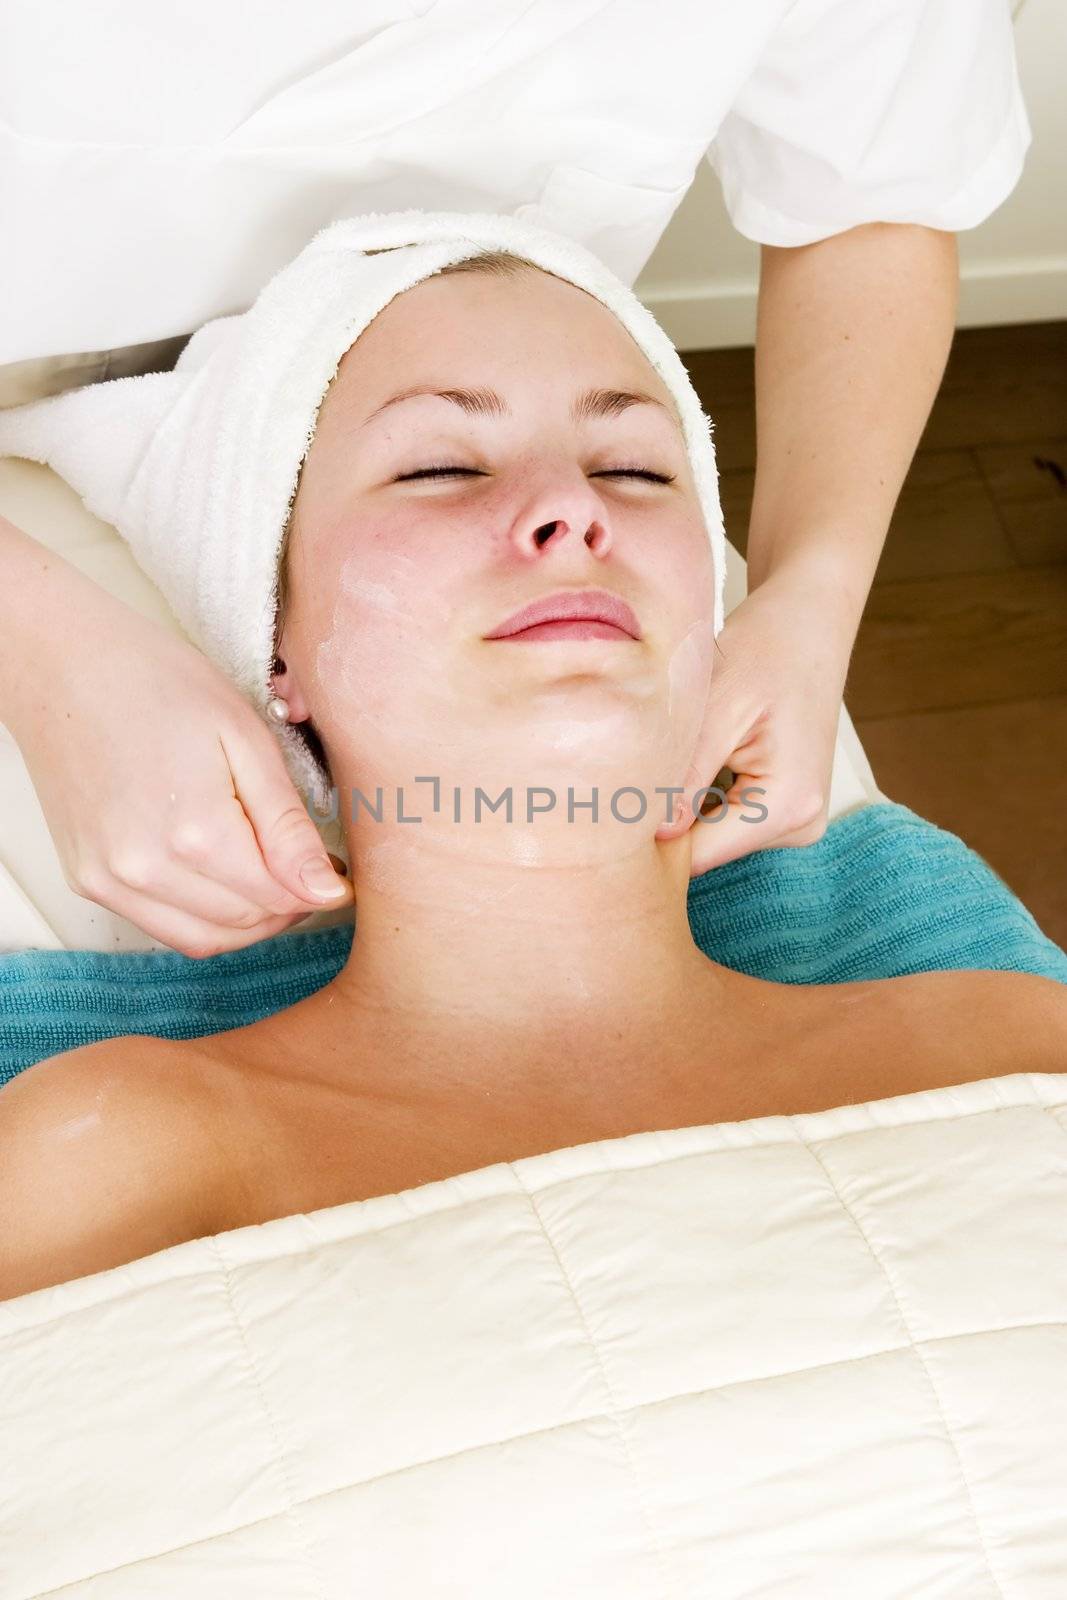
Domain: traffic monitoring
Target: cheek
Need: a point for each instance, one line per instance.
(673, 562)
(389, 585)
(688, 685)
(683, 571)
(686, 570)
(384, 634)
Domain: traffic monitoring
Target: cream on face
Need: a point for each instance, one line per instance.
(395, 579)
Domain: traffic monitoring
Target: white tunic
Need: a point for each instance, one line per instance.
(158, 166)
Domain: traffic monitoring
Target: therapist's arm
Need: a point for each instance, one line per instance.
(165, 793)
(852, 338)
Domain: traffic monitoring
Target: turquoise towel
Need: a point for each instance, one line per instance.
(882, 893)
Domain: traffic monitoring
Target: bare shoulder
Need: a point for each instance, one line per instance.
(105, 1160)
(878, 1038)
(1018, 1017)
(989, 1024)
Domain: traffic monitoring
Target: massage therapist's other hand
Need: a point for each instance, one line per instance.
(772, 713)
(165, 793)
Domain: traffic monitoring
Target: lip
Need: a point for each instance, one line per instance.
(572, 606)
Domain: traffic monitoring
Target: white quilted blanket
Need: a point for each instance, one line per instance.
(798, 1358)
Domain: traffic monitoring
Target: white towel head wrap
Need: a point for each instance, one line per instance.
(197, 467)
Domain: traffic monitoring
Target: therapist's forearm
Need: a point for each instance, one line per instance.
(44, 608)
(853, 336)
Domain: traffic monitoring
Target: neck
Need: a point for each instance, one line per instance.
(507, 954)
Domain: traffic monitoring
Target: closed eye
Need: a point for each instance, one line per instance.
(438, 472)
(613, 472)
(635, 472)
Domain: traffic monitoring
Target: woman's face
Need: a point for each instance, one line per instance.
(398, 576)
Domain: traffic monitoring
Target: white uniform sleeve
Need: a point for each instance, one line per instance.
(875, 111)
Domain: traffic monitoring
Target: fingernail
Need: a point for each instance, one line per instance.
(321, 879)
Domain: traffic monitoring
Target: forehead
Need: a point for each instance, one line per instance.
(529, 329)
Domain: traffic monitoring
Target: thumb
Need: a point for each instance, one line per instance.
(288, 839)
(733, 709)
(744, 824)
(720, 737)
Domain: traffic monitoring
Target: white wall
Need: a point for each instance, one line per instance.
(701, 280)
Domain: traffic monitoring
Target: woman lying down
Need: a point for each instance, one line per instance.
(501, 573)
(519, 981)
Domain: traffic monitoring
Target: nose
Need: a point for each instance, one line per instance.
(560, 517)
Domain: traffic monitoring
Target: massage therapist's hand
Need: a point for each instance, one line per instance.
(772, 714)
(165, 793)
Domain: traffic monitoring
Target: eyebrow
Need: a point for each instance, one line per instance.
(487, 403)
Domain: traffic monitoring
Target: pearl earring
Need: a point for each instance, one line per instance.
(278, 710)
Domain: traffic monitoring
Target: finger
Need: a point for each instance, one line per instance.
(747, 821)
(726, 729)
(193, 936)
(695, 791)
(181, 884)
(222, 848)
(288, 840)
(759, 814)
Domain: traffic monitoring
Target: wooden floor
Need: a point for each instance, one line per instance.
(958, 683)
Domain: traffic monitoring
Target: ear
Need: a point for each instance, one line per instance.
(285, 683)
